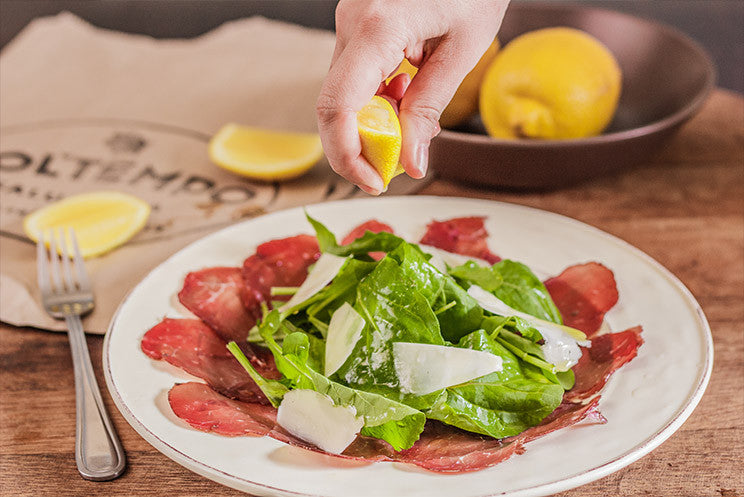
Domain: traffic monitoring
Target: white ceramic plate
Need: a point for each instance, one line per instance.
(645, 402)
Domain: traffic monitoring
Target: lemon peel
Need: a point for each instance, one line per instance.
(553, 83)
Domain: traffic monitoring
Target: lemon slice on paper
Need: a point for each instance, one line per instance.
(379, 131)
(102, 220)
(263, 154)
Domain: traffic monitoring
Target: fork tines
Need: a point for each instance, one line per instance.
(55, 275)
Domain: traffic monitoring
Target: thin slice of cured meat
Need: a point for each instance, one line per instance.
(440, 448)
(566, 414)
(462, 235)
(443, 448)
(213, 294)
(206, 410)
(282, 262)
(584, 293)
(193, 346)
(372, 225)
(606, 355)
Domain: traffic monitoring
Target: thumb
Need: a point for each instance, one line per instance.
(426, 97)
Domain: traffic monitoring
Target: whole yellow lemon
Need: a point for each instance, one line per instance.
(551, 83)
(465, 101)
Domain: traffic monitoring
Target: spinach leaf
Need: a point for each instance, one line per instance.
(501, 404)
(472, 273)
(457, 312)
(524, 291)
(514, 284)
(395, 311)
(396, 423)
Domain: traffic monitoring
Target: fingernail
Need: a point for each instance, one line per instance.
(369, 190)
(421, 158)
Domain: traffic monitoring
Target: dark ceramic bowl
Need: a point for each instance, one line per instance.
(666, 78)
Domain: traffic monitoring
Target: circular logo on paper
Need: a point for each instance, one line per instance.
(164, 165)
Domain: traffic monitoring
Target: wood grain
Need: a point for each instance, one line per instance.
(685, 209)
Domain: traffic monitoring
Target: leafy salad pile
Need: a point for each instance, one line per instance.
(404, 297)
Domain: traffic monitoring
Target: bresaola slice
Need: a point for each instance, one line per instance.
(213, 294)
(606, 355)
(194, 347)
(282, 262)
(206, 410)
(441, 448)
(584, 293)
(462, 235)
(372, 225)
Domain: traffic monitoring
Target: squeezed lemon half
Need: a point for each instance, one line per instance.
(264, 154)
(379, 131)
(102, 220)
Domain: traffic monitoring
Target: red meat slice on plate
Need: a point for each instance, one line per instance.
(282, 262)
(213, 294)
(462, 235)
(584, 293)
(566, 414)
(193, 346)
(206, 410)
(443, 448)
(372, 225)
(606, 355)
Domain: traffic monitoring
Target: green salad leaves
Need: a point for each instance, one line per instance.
(404, 298)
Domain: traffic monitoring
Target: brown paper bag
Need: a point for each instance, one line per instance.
(85, 109)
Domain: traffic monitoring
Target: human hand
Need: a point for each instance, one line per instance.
(443, 39)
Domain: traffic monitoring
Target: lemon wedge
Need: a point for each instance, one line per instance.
(379, 131)
(404, 67)
(264, 154)
(102, 220)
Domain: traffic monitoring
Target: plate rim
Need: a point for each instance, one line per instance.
(566, 483)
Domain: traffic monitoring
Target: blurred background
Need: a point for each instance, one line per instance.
(715, 24)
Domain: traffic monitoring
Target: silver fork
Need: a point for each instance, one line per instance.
(67, 294)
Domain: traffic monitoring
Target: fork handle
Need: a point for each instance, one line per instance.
(98, 451)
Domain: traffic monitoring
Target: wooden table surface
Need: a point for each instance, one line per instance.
(685, 209)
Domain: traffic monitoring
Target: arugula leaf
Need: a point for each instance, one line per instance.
(396, 423)
(501, 404)
(342, 289)
(272, 389)
(521, 339)
(369, 242)
(326, 239)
